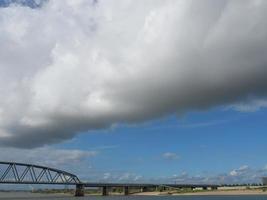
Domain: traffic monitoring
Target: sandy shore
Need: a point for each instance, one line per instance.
(208, 193)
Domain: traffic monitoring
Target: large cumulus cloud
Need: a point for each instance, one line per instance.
(76, 65)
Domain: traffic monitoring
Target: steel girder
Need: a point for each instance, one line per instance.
(21, 173)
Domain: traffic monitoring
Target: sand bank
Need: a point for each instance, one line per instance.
(208, 193)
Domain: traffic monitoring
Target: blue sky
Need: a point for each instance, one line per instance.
(136, 92)
(213, 142)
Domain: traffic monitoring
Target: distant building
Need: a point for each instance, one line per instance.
(264, 180)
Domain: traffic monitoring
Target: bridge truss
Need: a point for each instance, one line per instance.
(20, 173)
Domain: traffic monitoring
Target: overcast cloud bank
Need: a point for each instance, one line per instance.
(77, 65)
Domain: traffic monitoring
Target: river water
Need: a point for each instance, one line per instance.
(24, 195)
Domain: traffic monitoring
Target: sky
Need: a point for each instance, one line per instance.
(134, 90)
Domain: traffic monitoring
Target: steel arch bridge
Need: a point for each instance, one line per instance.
(21, 173)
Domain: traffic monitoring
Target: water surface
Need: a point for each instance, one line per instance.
(24, 195)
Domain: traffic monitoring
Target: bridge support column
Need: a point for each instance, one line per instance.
(126, 190)
(79, 192)
(104, 191)
(144, 189)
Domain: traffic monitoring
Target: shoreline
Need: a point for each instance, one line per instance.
(207, 193)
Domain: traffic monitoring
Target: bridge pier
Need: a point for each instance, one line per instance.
(104, 191)
(79, 192)
(126, 190)
(144, 189)
(214, 188)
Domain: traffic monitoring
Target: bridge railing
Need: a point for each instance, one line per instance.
(12, 172)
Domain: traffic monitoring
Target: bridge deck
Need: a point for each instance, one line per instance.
(146, 185)
(114, 184)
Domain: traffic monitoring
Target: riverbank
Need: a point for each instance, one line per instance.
(206, 193)
(221, 191)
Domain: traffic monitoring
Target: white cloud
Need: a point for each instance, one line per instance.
(241, 175)
(250, 106)
(106, 176)
(170, 156)
(241, 170)
(233, 173)
(47, 156)
(113, 176)
(124, 177)
(72, 66)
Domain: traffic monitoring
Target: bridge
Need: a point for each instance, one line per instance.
(22, 173)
